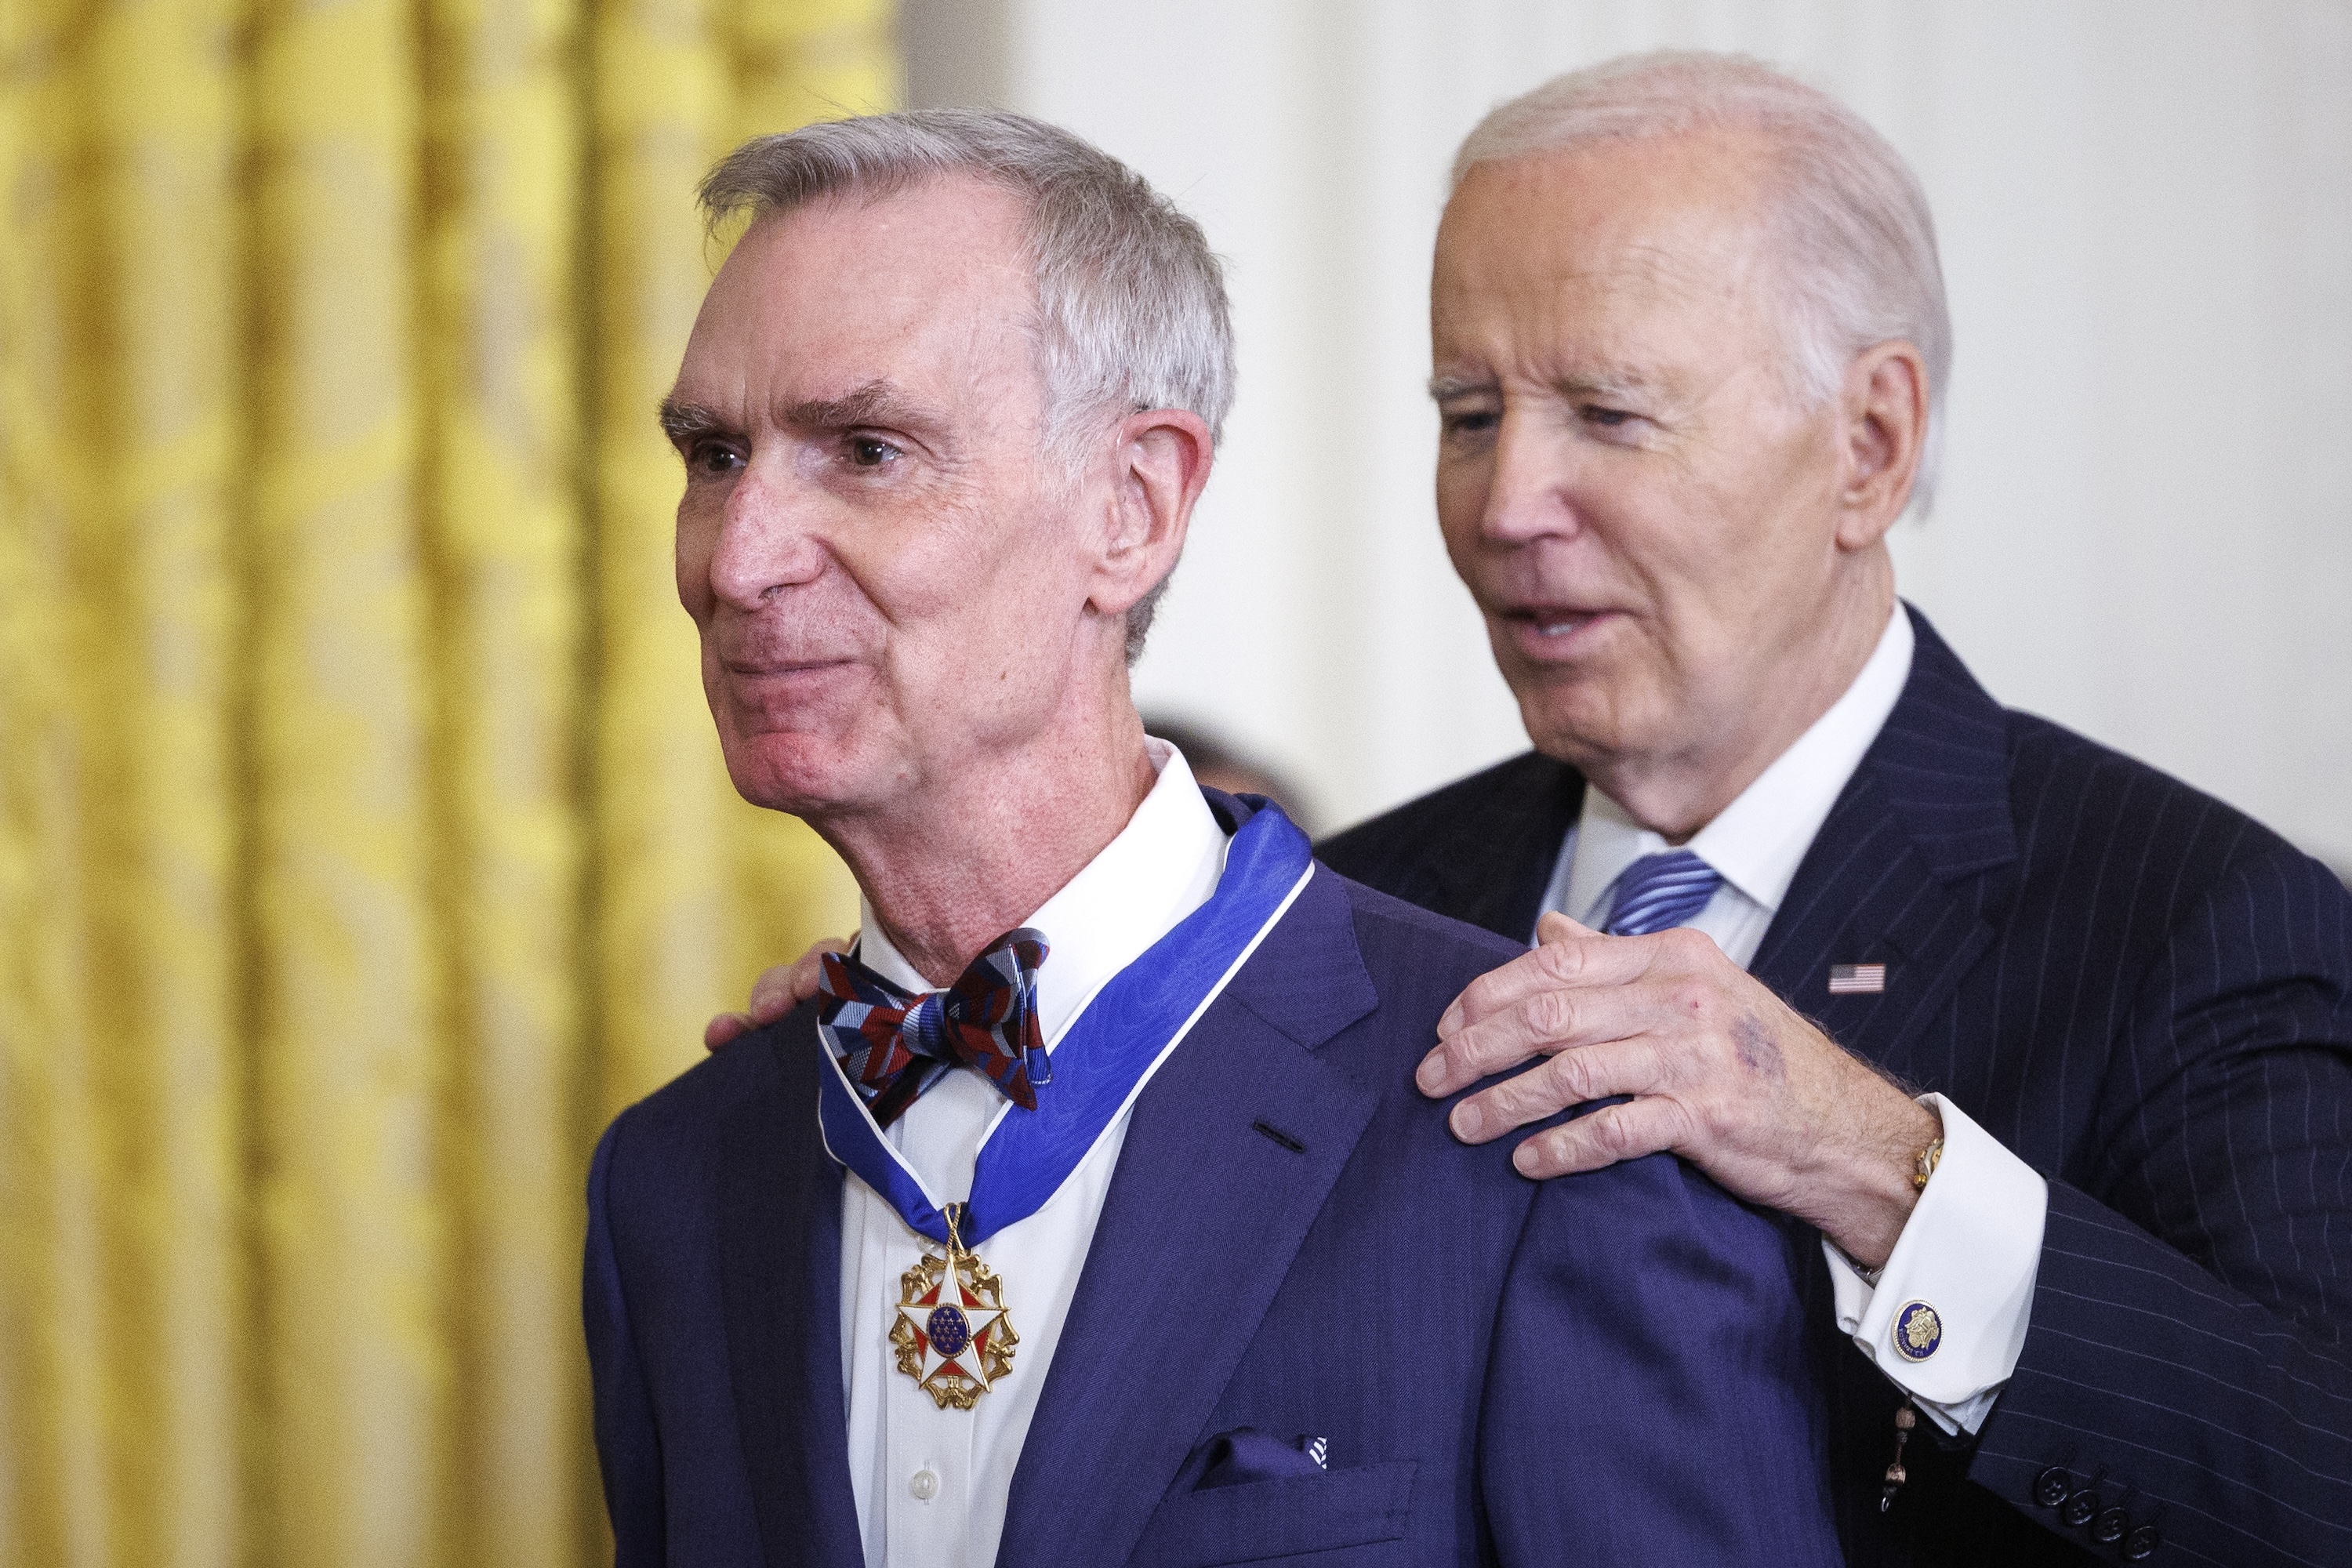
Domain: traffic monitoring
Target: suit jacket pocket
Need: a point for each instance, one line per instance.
(1259, 1522)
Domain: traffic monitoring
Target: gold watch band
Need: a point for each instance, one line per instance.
(1929, 1158)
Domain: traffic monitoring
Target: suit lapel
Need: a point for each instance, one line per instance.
(1911, 867)
(1205, 1214)
(779, 1262)
(1493, 872)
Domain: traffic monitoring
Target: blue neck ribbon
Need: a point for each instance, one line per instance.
(1104, 1059)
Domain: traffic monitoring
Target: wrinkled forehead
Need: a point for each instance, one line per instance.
(928, 285)
(1612, 249)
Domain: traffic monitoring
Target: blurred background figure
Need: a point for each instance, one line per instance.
(1219, 764)
(362, 841)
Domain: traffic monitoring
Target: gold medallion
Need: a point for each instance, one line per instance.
(1918, 1330)
(951, 1333)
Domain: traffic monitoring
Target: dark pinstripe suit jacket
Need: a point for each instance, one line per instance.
(2145, 994)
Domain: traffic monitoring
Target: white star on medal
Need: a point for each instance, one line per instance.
(956, 1300)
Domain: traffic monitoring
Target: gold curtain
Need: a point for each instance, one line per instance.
(363, 843)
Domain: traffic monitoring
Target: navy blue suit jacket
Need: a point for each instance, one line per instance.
(1607, 1372)
(2145, 995)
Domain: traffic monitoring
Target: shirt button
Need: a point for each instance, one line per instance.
(925, 1486)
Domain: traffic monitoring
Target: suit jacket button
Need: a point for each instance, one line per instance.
(2080, 1508)
(2109, 1527)
(2050, 1486)
(2142, 1543)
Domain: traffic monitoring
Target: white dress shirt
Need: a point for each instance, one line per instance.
(1971, 1247)
(931, 1484)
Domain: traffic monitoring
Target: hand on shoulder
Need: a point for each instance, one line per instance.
(1720, 1071)
(777, 991)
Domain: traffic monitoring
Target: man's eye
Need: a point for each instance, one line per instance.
(870, 451)
(1609, 418)
(1478, 422)
(715, 458)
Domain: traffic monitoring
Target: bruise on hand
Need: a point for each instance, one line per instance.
(1758, 1052)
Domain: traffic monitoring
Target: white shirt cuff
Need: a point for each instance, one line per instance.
(1968, 1254)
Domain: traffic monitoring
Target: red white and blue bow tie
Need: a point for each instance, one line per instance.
(892, 1045)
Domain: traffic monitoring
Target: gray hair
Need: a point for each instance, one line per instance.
(1857, 245)
(1131, 309)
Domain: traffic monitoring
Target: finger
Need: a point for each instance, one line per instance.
(1537, 969)
(725, 1027)
(1571, 1078)
(808, 973)
(1613, 1133)
(785, 986)
(1577, 958)
(773, 993)
(1546, 1022)
(1557, 927)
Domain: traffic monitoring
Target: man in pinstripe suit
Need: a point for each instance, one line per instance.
(2083, 1296)
(2053, 1052)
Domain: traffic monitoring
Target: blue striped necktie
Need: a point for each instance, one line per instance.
(1660, 891)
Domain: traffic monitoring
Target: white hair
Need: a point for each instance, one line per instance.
(1131, 308)
(1856, 245)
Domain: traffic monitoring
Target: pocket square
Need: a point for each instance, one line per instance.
(1245, 1454)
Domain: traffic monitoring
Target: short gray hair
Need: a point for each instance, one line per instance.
(1857, 244)
(1131, 308)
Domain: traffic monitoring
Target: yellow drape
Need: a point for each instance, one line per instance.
(362, 839)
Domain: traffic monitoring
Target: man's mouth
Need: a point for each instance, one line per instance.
(772, 668)
(1549, 624)
(1551, 629)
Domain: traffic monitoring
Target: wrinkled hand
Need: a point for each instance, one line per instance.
(776, 993)
(1721, 1071)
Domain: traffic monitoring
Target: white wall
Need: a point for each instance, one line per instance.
(2146, 530)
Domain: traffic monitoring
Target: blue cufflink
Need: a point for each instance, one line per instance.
(1917, 1332)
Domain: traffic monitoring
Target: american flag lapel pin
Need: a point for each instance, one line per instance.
(1857, 979)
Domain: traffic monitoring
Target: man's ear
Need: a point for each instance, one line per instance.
(1882, 435)
(1159, 464)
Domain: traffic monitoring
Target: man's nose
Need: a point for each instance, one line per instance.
(768, 538)
(1532, 479)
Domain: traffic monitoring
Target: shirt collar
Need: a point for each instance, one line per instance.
(1163, 864)
(1757, 841)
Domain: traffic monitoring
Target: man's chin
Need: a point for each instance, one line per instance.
(801, 776)
(1582, 719)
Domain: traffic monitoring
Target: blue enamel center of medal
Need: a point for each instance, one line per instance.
(947, 1330)
(1917, 1332)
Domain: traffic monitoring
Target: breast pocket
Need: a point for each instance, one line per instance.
(1367, 1508)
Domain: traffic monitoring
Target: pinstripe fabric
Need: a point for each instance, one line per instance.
(2145, 995)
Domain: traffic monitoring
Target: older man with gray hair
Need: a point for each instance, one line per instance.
(1088, 1214)
(1788, 865)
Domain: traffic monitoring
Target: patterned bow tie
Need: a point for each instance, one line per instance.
(894, 1046)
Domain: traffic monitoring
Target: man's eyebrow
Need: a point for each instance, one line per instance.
(1441, 387)
(1608, 381)
(1602, 383)
(875, 403)
(682, 421)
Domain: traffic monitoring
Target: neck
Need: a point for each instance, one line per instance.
(1678, 795)
(969, 855)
